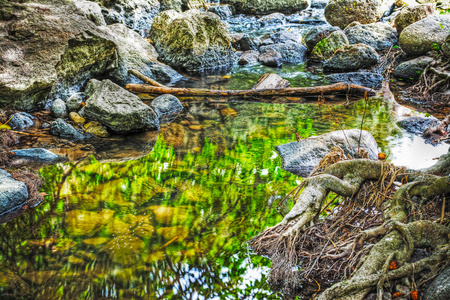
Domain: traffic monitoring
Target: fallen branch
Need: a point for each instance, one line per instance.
(337, 88)
(145, 78)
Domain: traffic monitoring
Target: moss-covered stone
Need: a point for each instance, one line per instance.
(168, 233)
(326, 47)
(124, 250)
(168, 215)
(84, 223)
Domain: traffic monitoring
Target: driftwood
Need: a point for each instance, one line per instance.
(155, 88)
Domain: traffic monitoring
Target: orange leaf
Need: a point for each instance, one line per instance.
(393, 265)
(397, 295)
(414, 295)
(381, 156)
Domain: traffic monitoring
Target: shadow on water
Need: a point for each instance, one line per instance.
(172, 224)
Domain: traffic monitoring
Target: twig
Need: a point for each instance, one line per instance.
(443, 210)
(366, 100)
(145, 78)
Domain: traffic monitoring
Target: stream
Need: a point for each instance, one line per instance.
(173, 224)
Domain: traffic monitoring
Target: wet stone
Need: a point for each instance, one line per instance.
(97, 129)
(271, 58)
(59, 109)
(167, 107)
(249, 58)
(77, 118)
(21, 121)
(417, 125)
(13, 193)
(62, 129)
(36, 154)
(124, 250)
(75, 102)
(367, 79)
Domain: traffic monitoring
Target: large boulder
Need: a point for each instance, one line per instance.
(291, 52)
(412, 14)
(343, 12)
(446, 46)
(378, 35)
(367, 79)
(134, 52)
(425, 35)
(302, 157)
(13, 193)
(324, 49)
(318, 33)
(92, 11)
(412, 69)
(352, 57)
(267, 6)
(48, 48)
(116, 108)
(440, 287)
(194, 41)
(137, 14)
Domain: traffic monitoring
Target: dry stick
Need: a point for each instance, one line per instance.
(32, 134)
(362, 121)
(145, 78)
(443, 210)
(337, 88)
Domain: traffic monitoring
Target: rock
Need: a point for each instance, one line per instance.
(169, 233)
(144, 231)
(168, 107)
(446, 47)
(134, 52)
(83, 202)
(352, 57)
(194, 41)
(116, 108)
(291, 52)
(97, 129)
(425, 35)
(440, 287)
(273, 19)
(326, 47)
(302, 157)
(124, 250)
(378, 35)
(171, 4)
(86, 223)
(343, 12)
(137, 14)
(249, 58)
(92, 11)
(35, 154)
(270, 57)
(75, 102)
(62, 129)
(223, 11)
(168, 215)
(412, 69)
(319, 3)
(116, 228)
(417, 125)
(367, 79)
(410, 15)
(35, 65)
(77, 118)
(318, 33)
(284, 36)
(21, 121)
(13, 193)
(267, 6)
(242, 41)
(59, 109)
(96, 241)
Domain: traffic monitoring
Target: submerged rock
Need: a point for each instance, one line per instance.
(33, 65)
(116, 108)
(36, 154)
(62, 129)
(124, 250)
(367, 79)
(412, 69)
(302, 157)
(352, 57)
(21, 121)
(412, 14)
(194, 41)
(168, 107)
(425, 35)
(378, 35)
(13, 193)
(267, 6)
(326, 47)
(86, 223)
(343, 12)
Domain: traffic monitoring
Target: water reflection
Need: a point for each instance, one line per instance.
(172, 224)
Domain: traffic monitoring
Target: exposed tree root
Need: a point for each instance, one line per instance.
(373, 225)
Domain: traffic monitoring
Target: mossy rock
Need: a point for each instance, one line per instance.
(97, 241)
(168, 215)
(116, 228)
(144, 231)
(124, 250)
(168, 233)
(86, 223)
(326, 47)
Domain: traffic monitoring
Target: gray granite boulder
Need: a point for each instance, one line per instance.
(302, 157)
(412, 69)
(378, 35)
(425, 35)
(223, 11)
(285, 36)
(270, 57)
(440, 287)
(193, 41)
(168, 107)
(134, 52)
(92, 11)
(267, 6)
(13, 193)
(249, 58)
(60, 128)
(412, 14)
(35, 154)
(318, 33)
(343, 12)
(290, 51)
(116, 108)
(367, 79)
(243, 42)
(21, 121)
(324, 49)
(352, 57)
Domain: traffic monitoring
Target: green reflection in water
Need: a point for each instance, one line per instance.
(171, 225)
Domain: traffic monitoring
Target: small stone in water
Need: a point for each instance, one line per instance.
(97, 129)
(77, 118)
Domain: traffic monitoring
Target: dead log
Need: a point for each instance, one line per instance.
(337, 88)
